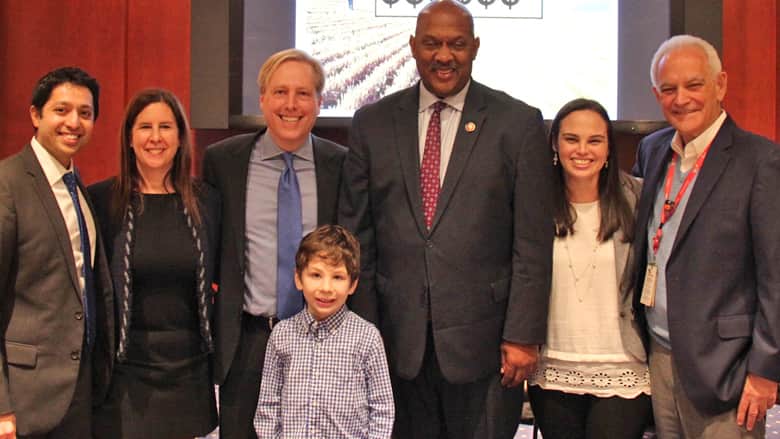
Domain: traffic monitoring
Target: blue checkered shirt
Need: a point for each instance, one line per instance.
(325, 379)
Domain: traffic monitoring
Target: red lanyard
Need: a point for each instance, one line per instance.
(671, 206)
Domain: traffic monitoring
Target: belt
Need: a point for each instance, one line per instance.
(260, 321)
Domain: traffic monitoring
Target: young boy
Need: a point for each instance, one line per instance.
(325, 373)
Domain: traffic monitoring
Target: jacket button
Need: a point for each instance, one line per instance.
(75, 355)
(429, 243)
(78, 315)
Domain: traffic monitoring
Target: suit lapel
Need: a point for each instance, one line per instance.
(621, 255)
(53, 213)
(717, 159)
(239, 161)
(622, 248)
(99, 253)
(473, 112)
(326, 172)
(407, 143)
(655, 172)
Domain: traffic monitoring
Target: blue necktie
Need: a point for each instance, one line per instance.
(88, 294)
(289, 232)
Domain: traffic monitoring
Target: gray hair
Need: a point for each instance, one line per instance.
(681, 41)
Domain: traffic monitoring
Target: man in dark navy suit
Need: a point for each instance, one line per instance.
(446, 185)
(708, 246)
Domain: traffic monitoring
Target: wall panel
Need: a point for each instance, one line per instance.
(42, 35)
(126, 44)
(751, 45)
(132, 44)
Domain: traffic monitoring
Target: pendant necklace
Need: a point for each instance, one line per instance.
(589, 267)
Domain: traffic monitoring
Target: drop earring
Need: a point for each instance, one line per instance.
(555, 158)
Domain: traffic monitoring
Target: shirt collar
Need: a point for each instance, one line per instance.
(695, 147)
(326, 326)
(52, 168)
(455, 101)
(270, 150)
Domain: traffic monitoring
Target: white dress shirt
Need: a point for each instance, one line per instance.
(450, 119)
(53, 170)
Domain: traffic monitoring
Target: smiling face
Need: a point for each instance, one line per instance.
(290, 104)
(155, 139)
(325, 287)
(688, 91)
(444, 48)
(583, 147)
(65, 121)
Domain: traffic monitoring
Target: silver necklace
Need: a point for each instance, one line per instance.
(589, 267)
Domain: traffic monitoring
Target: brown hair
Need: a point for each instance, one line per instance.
(616, 213)
(128, 181)
(332, 243)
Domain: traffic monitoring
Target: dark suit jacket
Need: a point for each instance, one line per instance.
(225, 166)
(482, 273)
(722, 277)
(40, 302)
(113, 229)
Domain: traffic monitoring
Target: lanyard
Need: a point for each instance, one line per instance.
(671, 206)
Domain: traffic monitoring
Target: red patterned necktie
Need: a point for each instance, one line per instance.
(431, 162)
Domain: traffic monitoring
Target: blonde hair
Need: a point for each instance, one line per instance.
(277, 59)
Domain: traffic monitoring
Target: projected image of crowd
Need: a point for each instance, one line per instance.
(358, 54)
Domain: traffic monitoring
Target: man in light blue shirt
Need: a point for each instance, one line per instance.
(708, 246)
(276, 184)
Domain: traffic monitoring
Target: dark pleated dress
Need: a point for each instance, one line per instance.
(164, 389)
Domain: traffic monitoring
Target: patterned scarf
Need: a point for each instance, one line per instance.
(125, 288)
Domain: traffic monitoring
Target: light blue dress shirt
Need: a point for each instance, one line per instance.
(265, 167)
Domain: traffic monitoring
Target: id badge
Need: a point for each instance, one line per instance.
(648, 289)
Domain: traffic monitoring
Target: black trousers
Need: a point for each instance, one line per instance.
(239, 393)
(561, 415)
(77, 422)
(430, 407)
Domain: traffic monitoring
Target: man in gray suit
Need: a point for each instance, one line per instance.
(56, 306)
(708, 246)
(446, 185)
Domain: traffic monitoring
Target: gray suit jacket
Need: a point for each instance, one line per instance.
(225, 166)
(723, 276)
(482, 273)
(630, 330)
(40, 302)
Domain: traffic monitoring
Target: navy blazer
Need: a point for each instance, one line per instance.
(723, 273)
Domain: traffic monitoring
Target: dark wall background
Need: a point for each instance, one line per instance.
(132, 44)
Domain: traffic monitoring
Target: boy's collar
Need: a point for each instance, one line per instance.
(330, 323)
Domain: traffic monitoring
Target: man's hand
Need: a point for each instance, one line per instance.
(518, 362)
(8, 426)
(758, 395)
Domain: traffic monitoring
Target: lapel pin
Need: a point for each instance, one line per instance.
(470, 127)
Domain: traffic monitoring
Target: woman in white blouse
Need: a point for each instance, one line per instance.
(592, 379)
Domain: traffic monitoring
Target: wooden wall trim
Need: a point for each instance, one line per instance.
(127, 45)
(751, 46)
